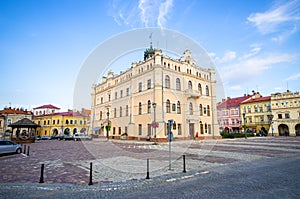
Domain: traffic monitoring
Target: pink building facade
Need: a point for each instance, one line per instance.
(228, 114)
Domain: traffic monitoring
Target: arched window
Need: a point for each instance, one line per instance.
(200, 88)
(200, 110)
(190, 85)
(178, 107)
(191, 108)
(100, 115)
(149, 106)
(140, 108)
(178, 86)
(168, 106)
(167, 81)
(208, 110)
(205, 126)
(207, 91)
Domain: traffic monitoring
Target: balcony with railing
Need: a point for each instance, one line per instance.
(192, 93)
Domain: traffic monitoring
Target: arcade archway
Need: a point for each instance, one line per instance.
(283, 130)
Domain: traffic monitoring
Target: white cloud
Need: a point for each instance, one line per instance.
(235, 88)
(227, 57)
(255, 50)
(163, 11)
(145, 13)
(252, 67)
(293, 77)
(272, 20)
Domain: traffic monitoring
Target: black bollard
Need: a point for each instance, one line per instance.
(24, 149)
(91, 174)
(28, 150)
(42, 174)
(184, 171)
(147, 177)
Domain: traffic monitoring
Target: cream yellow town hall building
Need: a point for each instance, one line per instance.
(139, 102)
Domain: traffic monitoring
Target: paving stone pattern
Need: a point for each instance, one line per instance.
(126, 161)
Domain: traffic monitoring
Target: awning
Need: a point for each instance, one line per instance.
(96, 129)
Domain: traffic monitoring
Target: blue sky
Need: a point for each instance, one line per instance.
(43, 44)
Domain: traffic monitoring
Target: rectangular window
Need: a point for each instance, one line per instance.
(57, 121)
(149, 84)
(261, 109)
(116, 95)
(127, 91)
(53, 122)
(120, 130)
(287, 115)
(173, 107)
(114, 130)
(140, 129)
(121, 93)
(279, 116)
(126, 112)
(179, 129)
(140, 87)
(209, 129)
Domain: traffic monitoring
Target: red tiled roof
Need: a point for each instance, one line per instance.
(15, 111)
(232, 102)
(259, 99)
(87, 112)
(47, 106)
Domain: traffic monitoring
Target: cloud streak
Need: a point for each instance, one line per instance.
(252, 65)
(144, 13)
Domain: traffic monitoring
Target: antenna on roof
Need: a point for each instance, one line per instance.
(150, 37)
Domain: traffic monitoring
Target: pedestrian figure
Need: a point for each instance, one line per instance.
(286, 133)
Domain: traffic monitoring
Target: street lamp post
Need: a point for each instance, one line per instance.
(244, 126)
(154, 107)
(270, 117)
(108, 126)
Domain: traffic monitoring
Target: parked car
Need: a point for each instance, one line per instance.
(45, 138)
(67, 137)
(57, 137)
(81, 136)
(7, 146)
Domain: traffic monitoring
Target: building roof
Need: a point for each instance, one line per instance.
(23, 123)
(50, 106)
(87, 112)
(259, 99)
(233, 102)
(15, 111)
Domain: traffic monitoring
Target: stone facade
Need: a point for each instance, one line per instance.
(179, 89)
(60, 123)
(229, 115)
(286, 113)
(12, 115)
(256, 112)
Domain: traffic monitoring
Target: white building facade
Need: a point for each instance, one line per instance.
(139, 102)
(286, 114)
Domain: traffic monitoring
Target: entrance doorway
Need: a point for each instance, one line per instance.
(283, 130)
(191, 130)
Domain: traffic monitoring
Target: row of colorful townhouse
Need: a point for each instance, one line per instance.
(275, 115)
